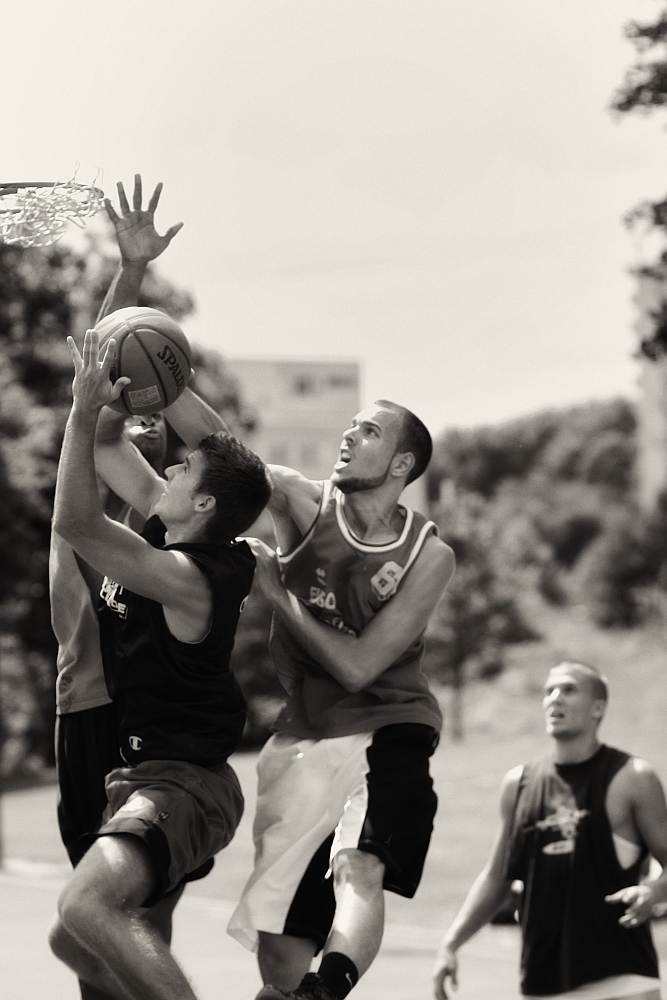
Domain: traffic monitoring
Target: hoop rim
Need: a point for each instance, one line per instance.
(12, 187)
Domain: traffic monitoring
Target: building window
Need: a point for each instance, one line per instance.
(303, 385)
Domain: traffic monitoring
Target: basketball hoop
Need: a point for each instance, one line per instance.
(35, 213)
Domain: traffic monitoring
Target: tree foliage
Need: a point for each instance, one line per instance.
(547, 503)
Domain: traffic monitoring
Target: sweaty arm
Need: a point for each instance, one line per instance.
(487, 893)
(637, 791)
(170, 578)
(356, 661)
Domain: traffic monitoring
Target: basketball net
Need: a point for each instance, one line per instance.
(36, 213)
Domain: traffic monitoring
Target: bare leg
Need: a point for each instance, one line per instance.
(359, 921)
(284, 960)
(160, 915)
(96, 982)
(101, 908)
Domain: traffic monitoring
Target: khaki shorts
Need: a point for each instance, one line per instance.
(184, 814)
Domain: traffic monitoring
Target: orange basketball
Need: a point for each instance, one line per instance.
(153, 351)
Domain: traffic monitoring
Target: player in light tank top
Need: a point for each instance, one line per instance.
(344, 782)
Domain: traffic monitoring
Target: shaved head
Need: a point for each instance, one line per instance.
(594, 679)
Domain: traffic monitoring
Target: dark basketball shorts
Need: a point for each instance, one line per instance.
(86, 750)
(184, 814)
(370, 791)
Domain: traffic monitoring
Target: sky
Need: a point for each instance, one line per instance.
(435, 188)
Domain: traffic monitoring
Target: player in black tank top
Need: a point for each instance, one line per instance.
(166, 652)
(578, 826)
(563, 851)
(177, 700)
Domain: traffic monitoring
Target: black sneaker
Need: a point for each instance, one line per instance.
(272, 993)
(312, 987)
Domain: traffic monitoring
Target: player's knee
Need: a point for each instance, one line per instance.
(59, 939)
(359, 868)
(77, 912)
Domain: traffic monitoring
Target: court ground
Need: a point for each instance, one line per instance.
(220, 969)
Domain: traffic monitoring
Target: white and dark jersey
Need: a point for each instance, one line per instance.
(344, 582)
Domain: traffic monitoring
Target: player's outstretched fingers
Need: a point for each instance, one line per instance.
(136, 197)
(76, 356)
(171, 232)
(122, 198)
(155, 197)
(111, 211)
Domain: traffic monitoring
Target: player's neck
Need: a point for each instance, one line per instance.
(373, 516)
(576, 750)
(179, 532)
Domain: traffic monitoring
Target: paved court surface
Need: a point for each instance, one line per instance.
(219, 968)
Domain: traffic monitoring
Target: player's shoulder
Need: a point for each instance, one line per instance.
(438, 554)
(509, 786)
(637, 777)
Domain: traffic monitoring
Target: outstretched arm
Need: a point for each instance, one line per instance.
(168, 577)
(487, 894)
(356, 661)
(138, 242)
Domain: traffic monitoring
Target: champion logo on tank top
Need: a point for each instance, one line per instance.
(110, 593)
(564, 817)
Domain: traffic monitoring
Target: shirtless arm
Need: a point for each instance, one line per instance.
(487, 893)
(356, 661)
(170, 578)
(641, 793)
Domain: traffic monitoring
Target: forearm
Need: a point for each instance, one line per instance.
(658, 887)
(343, 656)
(485, 898)
(193, 419)
(124, 289)
(77, 507)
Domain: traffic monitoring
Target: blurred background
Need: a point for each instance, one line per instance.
(459, 207)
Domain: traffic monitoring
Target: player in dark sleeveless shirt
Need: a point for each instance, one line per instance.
(172, 598)
(352, 589)
(578, 827)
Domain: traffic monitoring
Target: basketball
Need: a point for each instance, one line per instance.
(153, 351)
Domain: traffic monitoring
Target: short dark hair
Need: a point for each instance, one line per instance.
(414, 437)
(596, 678)
(239, 481)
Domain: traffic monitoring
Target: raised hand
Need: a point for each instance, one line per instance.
(138, 240)
(639, 902)
(267, 570)
(92, 387)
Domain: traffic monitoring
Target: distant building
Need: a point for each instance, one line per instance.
(302, 409)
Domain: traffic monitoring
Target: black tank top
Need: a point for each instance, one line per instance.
(562, 850)
(176, 700)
